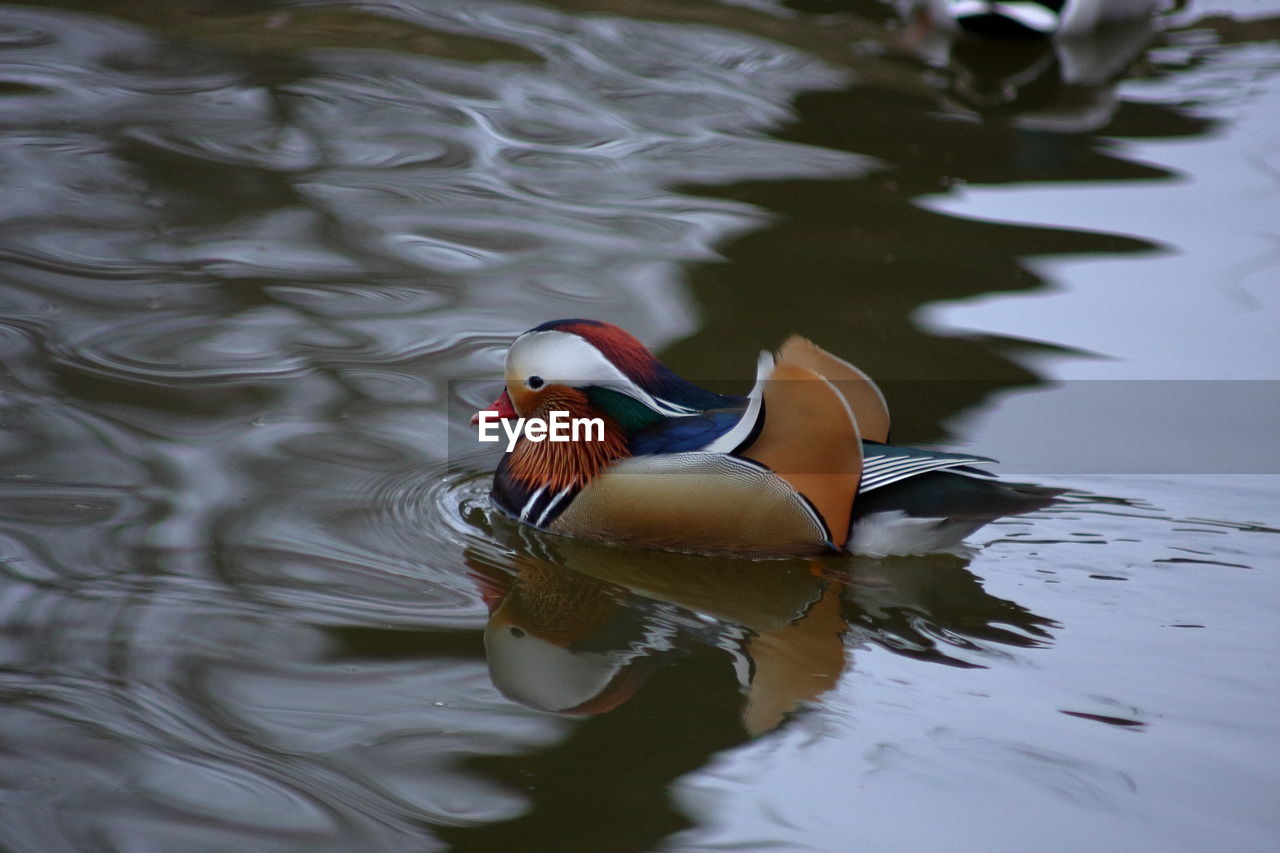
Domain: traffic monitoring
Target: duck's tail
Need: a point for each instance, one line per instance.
(936, 511)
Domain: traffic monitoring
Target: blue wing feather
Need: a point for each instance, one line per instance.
(883, 464)
(683, 435)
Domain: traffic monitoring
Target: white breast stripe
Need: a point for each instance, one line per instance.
(528, 506)
(551, 504)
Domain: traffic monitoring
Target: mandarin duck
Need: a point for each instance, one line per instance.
(800, 466)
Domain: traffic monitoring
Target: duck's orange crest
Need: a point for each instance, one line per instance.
(619, 346)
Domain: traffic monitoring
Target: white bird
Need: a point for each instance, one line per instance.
(1036, 17)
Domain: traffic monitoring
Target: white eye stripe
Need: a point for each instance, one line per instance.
(561, 358)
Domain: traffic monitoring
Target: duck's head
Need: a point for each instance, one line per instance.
(598, 366)
(566, 643)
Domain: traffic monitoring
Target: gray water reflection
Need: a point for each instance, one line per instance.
(668, 660)
(245, 248)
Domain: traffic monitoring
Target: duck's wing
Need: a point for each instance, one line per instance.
(685, 435)
(861, 393)
(883, 464)
(732, 429)
(705, 503)
(809, 438)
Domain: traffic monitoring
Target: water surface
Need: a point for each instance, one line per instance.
(259, 261)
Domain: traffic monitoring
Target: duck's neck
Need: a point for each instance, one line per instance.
(559, 465)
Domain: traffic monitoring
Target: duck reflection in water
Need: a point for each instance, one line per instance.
(1044, 65)
(577, 628)
(664, 660)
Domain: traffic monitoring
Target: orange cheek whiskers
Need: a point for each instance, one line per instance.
(565, 464)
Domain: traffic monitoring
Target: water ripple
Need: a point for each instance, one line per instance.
(247, 260)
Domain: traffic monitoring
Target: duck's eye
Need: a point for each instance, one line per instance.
(535, 382)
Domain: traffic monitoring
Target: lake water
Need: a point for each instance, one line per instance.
(259, 262)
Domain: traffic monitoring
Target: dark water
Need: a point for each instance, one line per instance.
(254, 255)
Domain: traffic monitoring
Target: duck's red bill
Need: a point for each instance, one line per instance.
(502, 406)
